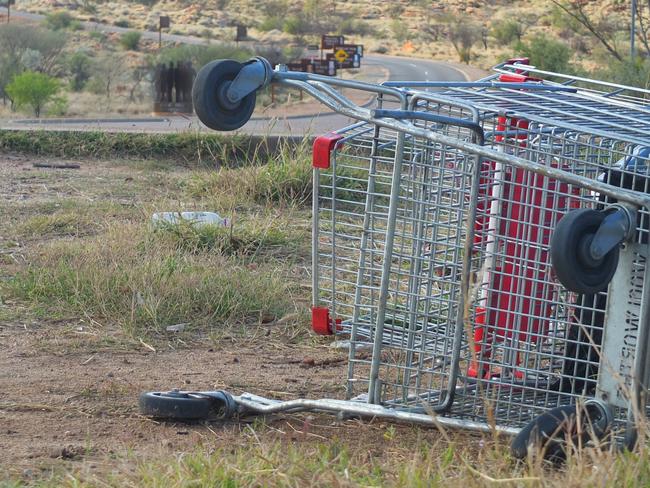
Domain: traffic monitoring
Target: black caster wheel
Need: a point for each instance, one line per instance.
(561, 428)
(573, 265)
(186, 406)
(209, 97)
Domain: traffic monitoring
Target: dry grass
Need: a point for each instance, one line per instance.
(278, 454)
(110, 266)
(99, 256)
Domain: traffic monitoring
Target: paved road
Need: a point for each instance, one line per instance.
(399, 69)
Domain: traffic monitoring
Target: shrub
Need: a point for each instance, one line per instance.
(32, 89)
(296, 25)
(200, 55)
(350, 26)
(507, 32)
(122, 23)
(546, 53)
(130, 40)
(270, 23)
(58, 107)
(633, 73)
(400, 30)
(58, 20)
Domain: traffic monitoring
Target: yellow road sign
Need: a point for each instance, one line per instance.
(341, 55)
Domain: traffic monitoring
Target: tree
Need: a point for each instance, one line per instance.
(599, 27)
(32, 89)
(79, 68)
(108, 70)
(17, 40)
(463, 35)
(28, 48)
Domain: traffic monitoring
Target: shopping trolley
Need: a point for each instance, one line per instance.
(479, 247)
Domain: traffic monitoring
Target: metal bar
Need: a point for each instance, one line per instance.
(373, 394)
(532, 69)
(480, 84)
(258, 405)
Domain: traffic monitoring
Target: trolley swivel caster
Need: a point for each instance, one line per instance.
(187, 405)
(554, 432)
(585, 247)
(224, 91)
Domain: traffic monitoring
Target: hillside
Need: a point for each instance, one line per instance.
(408, 27)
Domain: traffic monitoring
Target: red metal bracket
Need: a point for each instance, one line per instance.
(323, 146)
(322, 323)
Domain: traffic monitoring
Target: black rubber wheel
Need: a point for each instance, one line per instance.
(176, 405)
(210, 101)
(549, 433)
(572, 264)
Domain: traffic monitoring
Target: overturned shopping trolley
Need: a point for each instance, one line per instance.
(481, 248)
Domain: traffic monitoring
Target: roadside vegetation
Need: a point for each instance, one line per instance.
(103, 73)
(110, 263)
(80, 248)
(184, 148)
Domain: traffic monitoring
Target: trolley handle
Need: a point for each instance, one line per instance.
(429, 117)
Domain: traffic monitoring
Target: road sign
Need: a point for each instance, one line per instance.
(349, 63)
(350, 49)
(328, 42)
(312, 47)
(296, 66)
(242, 33)
(321, 67)
(340, 55)
(164, 22)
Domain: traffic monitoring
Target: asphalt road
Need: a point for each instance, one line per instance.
(399, 69)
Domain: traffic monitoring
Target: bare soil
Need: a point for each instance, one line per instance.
(66, 398)
(69, 387)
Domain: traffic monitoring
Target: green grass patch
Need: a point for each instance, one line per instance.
(145, 280)
(59, 224)
(286, 179)
(190, 148)
(245, 238)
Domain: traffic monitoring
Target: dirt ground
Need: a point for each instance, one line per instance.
(69, 386)
(66, 398)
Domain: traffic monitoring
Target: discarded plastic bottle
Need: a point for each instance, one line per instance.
(194, 218)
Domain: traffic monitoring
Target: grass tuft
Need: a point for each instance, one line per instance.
(131, 278)
(286, 179)
(189, 148)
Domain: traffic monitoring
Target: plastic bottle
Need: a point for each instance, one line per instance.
(194, 218)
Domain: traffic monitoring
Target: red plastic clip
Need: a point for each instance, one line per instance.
(323, 146)
(322, 323)
(516, 78)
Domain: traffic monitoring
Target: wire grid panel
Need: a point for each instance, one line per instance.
(529, 345)
(421, 309)
(536, 346)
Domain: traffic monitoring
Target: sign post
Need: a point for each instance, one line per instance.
(9, 4)
(242, 33)
(164, 23)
